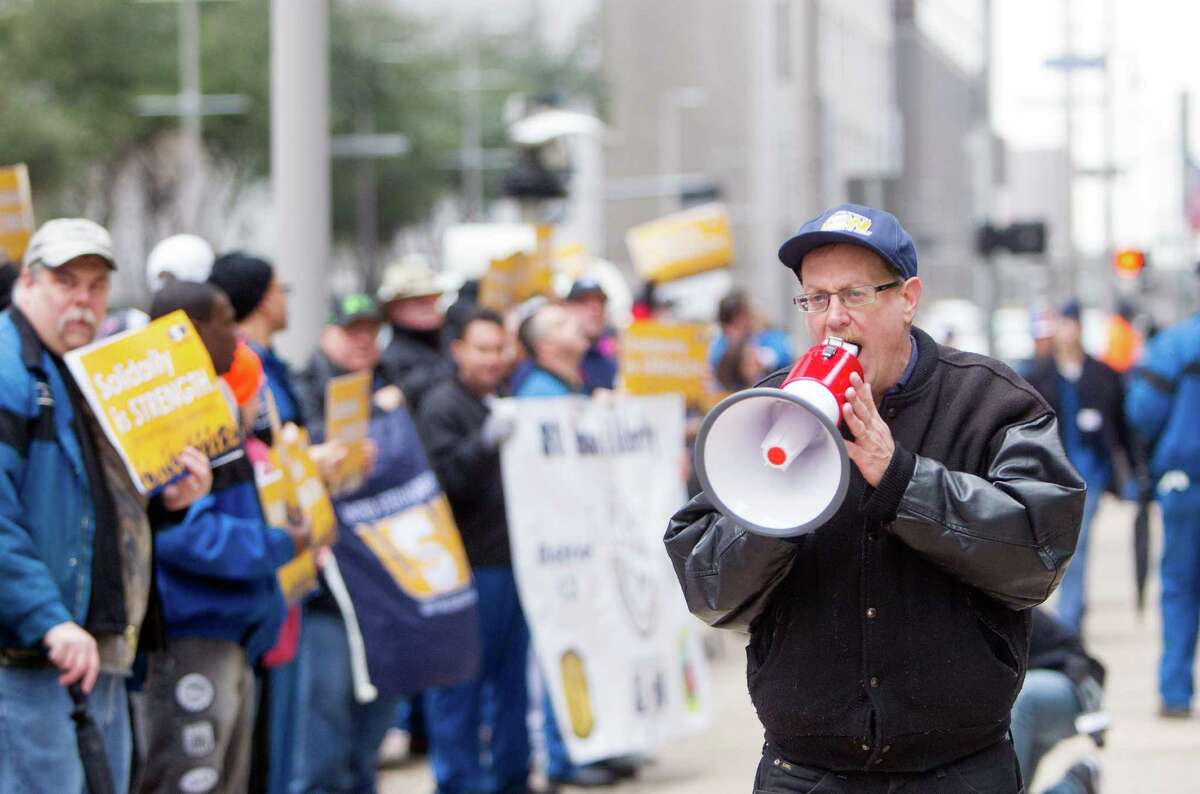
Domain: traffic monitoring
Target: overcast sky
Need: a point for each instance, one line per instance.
(1155, 57)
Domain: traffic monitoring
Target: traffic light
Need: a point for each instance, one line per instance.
(1028, 237)
(1128, 262)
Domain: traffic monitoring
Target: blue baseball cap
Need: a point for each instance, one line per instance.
(866, 227)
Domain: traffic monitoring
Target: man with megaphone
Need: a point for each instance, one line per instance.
(880, 518)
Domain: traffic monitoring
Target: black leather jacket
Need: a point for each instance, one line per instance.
(895, 637)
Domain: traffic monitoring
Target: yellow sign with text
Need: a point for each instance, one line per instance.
(519, 277)
(16, 211)
(291, 487)
(666, 358)
(682, 244)
(348, 419)
(154, 392)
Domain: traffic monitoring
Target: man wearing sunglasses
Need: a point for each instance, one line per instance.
(887, 647)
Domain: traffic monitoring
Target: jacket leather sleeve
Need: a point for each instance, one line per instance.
(727, 573)
(1009, 533)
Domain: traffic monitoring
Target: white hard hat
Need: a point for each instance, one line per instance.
(185, 257)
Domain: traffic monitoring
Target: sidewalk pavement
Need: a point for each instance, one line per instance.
(1144, 754)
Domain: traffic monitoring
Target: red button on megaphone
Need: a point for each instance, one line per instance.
(773, 459)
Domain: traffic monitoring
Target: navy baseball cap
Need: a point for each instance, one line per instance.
(869, 228)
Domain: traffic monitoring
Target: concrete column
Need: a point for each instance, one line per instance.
(300, 173)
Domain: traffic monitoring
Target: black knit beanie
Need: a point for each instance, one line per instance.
(244, 278)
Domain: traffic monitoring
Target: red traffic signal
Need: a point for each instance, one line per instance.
(1129, 262)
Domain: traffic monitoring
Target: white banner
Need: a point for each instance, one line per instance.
(590, 486)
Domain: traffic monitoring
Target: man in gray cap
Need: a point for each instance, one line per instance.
(75, 576)
(887, 645)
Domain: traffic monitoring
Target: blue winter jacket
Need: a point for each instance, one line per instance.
(47, 520)
(1163, 401)
(216, 567)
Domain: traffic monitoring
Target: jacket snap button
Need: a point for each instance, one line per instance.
(776, 762)
(874, 682)
(871, 613)
(866, 748)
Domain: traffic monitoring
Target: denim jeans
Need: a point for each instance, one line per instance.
(1180, 596)
(38, 751)
(992, 770)
(1072, 592)
(336, 737)
(1043, 715)
(499, 697)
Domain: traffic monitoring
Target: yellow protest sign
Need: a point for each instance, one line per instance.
(348, 419)
(520, 276)
(305, 491)
(682, 244)
(154, 392)
(666, 358)
(16, 211)
(348, 407)
(291, 487)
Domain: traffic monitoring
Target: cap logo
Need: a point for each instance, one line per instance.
(847, 221)
(355, 304)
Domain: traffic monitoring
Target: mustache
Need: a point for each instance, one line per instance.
(78, 314)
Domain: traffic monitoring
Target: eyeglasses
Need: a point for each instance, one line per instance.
(851, 297)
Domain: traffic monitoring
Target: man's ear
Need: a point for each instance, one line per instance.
(911, 291)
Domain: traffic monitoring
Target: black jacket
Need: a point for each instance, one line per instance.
(1055, 646)
(309, 385)
(1100, 390)
(895, 637)
(414, 362)
(450, 423)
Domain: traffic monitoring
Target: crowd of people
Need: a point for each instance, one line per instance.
(175, 599)
(167, 613)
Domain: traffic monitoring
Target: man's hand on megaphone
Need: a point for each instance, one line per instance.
(873, 445)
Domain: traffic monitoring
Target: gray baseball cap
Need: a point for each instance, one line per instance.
(59, 241)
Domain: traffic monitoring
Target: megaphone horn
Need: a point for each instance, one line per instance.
(772, 459)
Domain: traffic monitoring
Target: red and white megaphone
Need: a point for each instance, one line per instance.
(773, 460)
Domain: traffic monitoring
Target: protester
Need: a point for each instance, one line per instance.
(894, 638)
(216, 569)
(1162, 408)
(180, 257)
(588, 302)
(740, 366)
(259, 301)
(349, 343)
(740, 322)
(337, 737)
(1042, 325)
(260, 309)
(461, 310)
(555, 343)
(1090, 399)
(462, 432)
(75, 606)
(1125, 341)
(413, 359)
(1062, 683)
